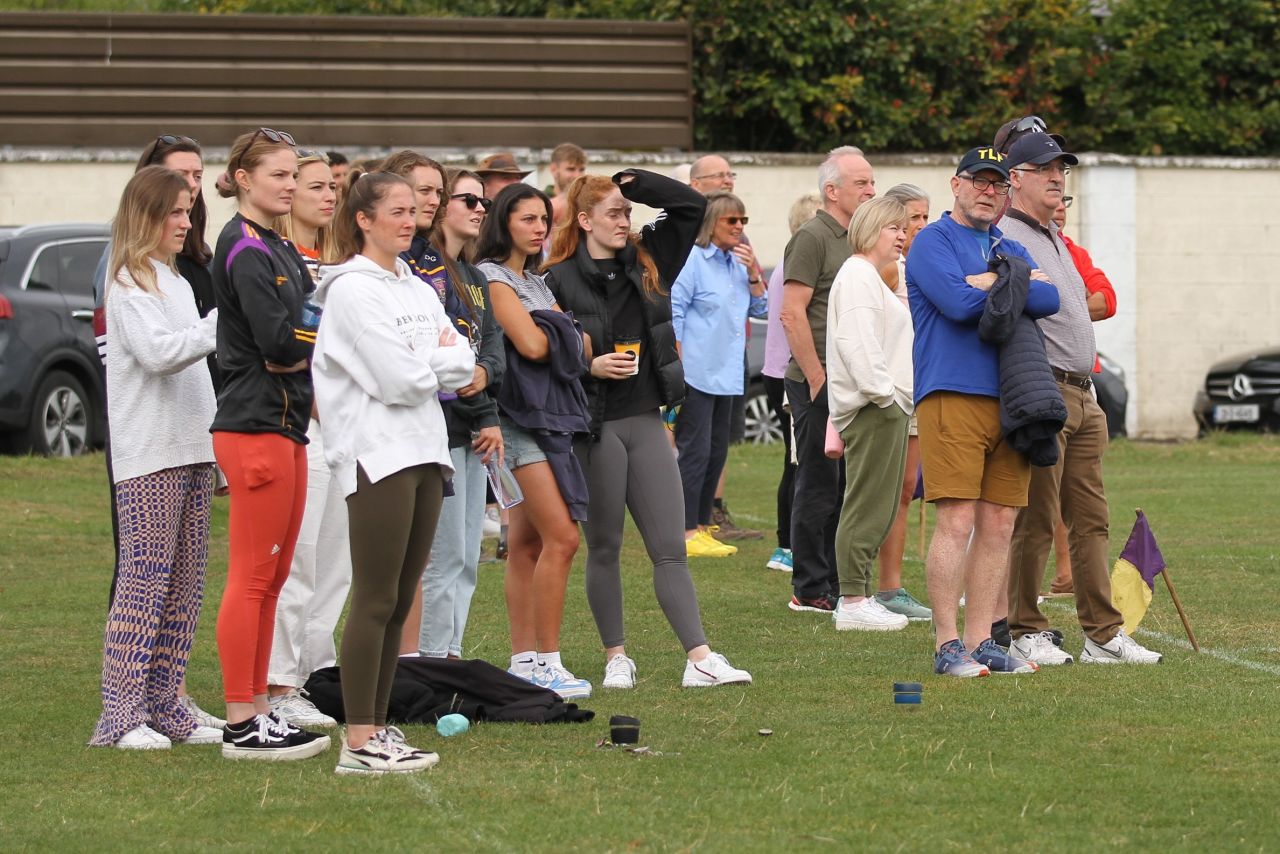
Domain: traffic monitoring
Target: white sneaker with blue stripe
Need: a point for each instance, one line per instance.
(560, 680)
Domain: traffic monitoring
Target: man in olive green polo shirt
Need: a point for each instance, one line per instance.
(812, 259)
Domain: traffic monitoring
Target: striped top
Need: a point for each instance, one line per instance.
(531, 288)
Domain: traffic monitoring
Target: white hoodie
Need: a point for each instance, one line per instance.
(377, 367)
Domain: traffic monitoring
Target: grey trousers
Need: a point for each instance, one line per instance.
(633, 468)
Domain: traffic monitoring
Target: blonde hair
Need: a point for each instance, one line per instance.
(802, 210)
(870, 218)
(136, 230)
(720, 203)
(284, 224)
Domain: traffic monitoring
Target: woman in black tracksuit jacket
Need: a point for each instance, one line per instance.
(616, 284)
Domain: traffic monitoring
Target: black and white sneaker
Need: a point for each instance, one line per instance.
(385, 753)
(263, 737)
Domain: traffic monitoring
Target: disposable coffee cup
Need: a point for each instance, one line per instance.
(624, 730)
(632, 346)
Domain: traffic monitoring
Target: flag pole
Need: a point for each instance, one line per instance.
(1173, 594)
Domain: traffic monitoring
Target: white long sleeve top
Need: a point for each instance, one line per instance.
(160, 399)
(869, 337)
(377, 368)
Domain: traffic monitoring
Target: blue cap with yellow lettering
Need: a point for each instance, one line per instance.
(977, 160)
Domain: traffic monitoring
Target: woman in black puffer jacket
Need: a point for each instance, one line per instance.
(616, 284)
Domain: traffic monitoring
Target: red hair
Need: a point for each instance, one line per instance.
(583, 195)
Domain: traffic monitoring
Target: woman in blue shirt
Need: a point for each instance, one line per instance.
(710, 301)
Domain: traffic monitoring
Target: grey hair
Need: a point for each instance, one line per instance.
(829, 171)
(904, 193)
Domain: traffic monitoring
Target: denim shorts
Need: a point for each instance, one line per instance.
(520, 448)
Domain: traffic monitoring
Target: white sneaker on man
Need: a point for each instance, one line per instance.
(295, 708)
(868, 616)
(1040, 648)
(1121, 649)
(144, 738)
(715, 669)
(620, 672)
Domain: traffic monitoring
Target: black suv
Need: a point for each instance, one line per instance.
(1241, 393)
(51, 379)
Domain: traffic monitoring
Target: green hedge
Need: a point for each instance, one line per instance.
(1129, 76)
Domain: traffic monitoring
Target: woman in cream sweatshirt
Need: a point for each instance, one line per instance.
(869, 387)
(384, 350)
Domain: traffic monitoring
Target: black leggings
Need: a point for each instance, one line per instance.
(775, 391)
(393, 523)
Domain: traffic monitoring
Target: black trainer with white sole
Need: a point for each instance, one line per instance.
(263, 737)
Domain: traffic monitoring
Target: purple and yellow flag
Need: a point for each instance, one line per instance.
(1133, 577)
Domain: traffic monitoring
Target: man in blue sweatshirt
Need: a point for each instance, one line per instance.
(973, 477)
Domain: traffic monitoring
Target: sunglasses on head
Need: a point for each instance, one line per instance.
(170, 139)
(1031, 123)
(311, 154)
(734, 220)
(274, 136)
(471, 200)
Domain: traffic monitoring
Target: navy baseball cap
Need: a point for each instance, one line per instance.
(976, 160)
(1038, 148)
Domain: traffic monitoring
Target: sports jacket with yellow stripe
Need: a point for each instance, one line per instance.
(263, 290)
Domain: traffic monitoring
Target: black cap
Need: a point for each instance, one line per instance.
(977, 159)
(1037, 148)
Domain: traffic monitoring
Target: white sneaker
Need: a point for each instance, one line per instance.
(295, 708)
(202, 717)
(385, 753)
(867, 615)
(1121, 649)
(557, 678)
(145, 738)
(715, 669)
(620, 672)
(1040, 648)
(492, 526)
(203, 735)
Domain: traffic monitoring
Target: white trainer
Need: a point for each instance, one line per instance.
(202, 717)
(145, 738)
(715, 669)
(1121, 649)
(620, 672)
(867, 615)
(295, 708)
(1040, 648)
(202, 735)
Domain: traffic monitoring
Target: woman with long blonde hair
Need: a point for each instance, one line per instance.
(617, 283)
(160, 407)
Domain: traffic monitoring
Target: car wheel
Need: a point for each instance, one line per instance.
(761, 427)
(61, 418)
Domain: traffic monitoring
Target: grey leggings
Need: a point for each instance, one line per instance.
(392, 524)
(633, 467)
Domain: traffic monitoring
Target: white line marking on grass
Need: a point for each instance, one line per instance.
(1215, 653)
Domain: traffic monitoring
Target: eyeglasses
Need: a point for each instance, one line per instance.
(719, 176)
(471, 200)
(1067, 200)
(734, 220)
(1048, 169)
(170, 139)
(981, 184)
(274, 136)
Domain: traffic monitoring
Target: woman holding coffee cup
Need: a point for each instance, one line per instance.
(615, 282)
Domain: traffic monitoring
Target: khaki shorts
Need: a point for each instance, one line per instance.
(964, 454)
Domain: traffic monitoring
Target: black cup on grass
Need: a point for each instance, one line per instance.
(624, 730)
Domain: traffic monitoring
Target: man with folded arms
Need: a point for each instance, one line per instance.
(1038, 172)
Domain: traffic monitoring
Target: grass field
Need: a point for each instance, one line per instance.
(1179, 756)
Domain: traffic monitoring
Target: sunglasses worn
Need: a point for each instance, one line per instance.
(734, 220)
(471, 200)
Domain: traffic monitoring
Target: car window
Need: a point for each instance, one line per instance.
(44, 272)
(78, 261)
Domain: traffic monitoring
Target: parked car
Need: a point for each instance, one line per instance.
(52, 384)
(1113, 397)
(1241, 393)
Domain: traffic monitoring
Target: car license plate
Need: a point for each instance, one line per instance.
(1235, 412)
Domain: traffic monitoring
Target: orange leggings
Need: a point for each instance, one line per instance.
(267, 473)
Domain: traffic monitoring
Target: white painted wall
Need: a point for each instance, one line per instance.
(1191, 245)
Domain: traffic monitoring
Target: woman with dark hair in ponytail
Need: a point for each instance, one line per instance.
(384, 352)
(266, 332)
(616, 283)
